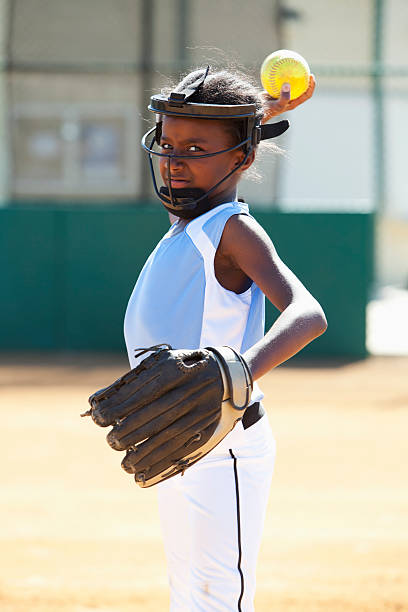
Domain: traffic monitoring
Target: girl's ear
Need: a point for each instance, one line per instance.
(248, 162)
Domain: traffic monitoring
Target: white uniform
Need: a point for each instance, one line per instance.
(212, 517)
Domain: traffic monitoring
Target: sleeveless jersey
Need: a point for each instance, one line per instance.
(178, 300)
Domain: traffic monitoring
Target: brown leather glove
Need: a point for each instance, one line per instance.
(173, 408)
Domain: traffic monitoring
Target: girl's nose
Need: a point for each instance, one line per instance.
(175, 162)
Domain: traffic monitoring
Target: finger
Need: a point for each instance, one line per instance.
(271, 101)
(106, 410)
(166, 410)
(306, 95)
(174, 464)
(285, 92)
(152, 378)
(276, 106)
(180, 436)
(133, 390)
(118, 388)
(281, 104)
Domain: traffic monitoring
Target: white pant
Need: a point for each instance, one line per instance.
(212, 520)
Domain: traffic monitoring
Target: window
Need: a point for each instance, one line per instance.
(76, 150)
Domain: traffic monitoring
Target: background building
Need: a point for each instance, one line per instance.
(76, 77)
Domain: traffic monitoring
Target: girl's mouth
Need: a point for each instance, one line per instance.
(178, 183)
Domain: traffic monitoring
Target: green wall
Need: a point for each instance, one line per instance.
(67, 272)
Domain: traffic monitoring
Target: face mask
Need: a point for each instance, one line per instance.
(188, 203)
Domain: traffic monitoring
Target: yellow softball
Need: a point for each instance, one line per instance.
(285, 66)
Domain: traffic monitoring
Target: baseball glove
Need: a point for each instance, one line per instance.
(173, 408)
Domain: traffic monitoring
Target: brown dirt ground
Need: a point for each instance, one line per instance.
(77, 535)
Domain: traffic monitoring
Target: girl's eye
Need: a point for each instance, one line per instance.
(165, 146)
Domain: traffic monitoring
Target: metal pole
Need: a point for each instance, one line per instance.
(378, 94)
(277, 167)
(183, 15)
(146, 55)
(6, 28)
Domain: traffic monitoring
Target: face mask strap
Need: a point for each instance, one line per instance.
(226, 176)
(148, 148)
(172, 198)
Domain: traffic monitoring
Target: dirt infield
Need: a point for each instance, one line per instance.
(78, 535)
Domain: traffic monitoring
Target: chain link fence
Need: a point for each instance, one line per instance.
(76, 77)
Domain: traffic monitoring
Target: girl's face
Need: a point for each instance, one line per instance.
(190, 136)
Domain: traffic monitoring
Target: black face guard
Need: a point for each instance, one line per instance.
(188, 203)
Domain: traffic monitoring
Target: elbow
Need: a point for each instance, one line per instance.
(314, 318)
(319, 320)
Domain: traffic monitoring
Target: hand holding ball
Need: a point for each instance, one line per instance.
(285, 66)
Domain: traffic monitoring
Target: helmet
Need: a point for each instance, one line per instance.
(188, 203)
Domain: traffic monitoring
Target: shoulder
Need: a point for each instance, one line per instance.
(242, 233)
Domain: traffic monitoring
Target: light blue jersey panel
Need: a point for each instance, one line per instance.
(167, 296)
(178, 300)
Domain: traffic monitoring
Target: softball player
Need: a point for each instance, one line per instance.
(204, 285)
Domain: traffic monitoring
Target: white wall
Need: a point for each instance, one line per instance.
(328, 161)
(396, 153)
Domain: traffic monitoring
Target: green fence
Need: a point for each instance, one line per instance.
(67, 272)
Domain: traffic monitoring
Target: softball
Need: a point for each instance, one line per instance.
(285, 66)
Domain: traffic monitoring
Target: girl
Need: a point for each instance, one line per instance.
(204, 285)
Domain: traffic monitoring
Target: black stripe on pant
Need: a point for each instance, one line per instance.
(239, 529)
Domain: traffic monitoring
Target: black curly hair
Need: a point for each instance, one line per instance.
(224, 87)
